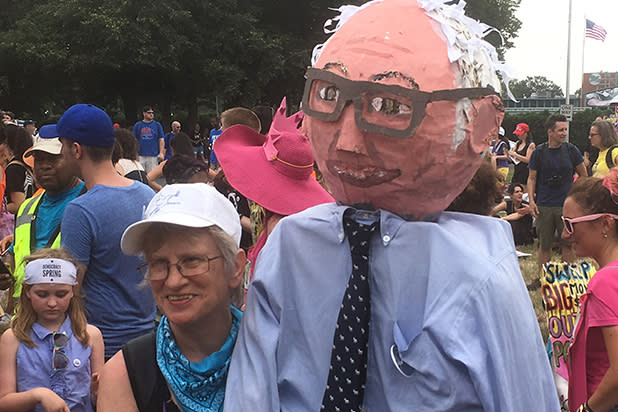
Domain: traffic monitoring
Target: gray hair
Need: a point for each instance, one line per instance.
(607, 132)
(157, 234)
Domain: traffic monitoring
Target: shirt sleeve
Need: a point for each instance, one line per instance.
(532, 164)
(76, 234)
(576, 156)
(15, 177)
(600, 314)
(136, 129)
(513, 374)
(253, 370)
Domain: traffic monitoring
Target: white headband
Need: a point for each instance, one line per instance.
(50, 270)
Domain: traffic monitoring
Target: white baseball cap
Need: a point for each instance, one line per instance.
(184, 204)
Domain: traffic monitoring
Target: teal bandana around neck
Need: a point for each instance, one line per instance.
(198, 386)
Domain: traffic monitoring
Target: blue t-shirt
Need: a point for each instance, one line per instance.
(168, 145)
(214, 135)
(115, 299)
(50, 213)
(555, 168)
(148, 135)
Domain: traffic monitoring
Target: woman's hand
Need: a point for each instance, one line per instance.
(6, 242)
(50, 401)
(524, 210)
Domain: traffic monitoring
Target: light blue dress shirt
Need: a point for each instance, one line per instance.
(452, 326)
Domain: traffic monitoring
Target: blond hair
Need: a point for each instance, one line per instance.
(26, 316)
(240, 115)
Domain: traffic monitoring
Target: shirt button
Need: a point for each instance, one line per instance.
(76, 363)
(341, 236)
(386, 238)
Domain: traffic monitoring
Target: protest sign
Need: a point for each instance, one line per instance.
(562, 285)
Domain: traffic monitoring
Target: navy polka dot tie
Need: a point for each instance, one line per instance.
(348, 365)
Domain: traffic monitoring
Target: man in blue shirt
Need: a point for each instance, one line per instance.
(552, 166)
(169, 137)
(115, 299)
(398, 119)
(150, 136)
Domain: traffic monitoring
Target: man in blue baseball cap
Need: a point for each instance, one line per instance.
(93, 224)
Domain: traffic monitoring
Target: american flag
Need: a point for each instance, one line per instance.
(594, 31)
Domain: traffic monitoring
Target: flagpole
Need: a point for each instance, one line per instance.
(581, 91)
(568, 76)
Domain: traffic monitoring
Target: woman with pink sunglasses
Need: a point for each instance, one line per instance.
(590, 224)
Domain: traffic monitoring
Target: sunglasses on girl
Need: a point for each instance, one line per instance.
(569, 222)
(59, 359)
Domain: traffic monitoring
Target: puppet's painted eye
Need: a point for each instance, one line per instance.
(389, 106)
(329, 93)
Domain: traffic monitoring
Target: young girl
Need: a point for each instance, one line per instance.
(50, 358)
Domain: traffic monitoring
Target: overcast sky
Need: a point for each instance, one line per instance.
(541, 48)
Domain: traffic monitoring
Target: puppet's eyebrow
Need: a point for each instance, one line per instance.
(339, 65)
(395, 75)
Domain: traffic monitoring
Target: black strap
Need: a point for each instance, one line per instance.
(609, 159)
(148, 384)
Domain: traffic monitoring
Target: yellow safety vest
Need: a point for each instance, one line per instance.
(24, 235)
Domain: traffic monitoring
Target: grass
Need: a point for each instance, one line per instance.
(529, 270)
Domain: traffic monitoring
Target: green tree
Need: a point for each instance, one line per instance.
(535, 84)
(499, 14)
(169, 53)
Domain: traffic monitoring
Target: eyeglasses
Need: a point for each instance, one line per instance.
(59, 359)
(569, 222)
(150, 112)
(379, 108)
(187, 267)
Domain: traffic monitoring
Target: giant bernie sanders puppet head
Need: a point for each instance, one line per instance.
(401, 104)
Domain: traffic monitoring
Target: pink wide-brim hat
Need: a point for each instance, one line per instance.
(275, 171)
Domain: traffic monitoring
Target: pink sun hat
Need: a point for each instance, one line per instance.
(275, 171)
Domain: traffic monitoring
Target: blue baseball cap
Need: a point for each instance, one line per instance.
(85, 124)
(48, 132)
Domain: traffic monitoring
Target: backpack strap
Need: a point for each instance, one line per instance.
(147, 382)
(22, 164)
(609, 159)
(541, 150)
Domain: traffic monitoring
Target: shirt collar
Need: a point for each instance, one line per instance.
(390, 223)
(42, 332)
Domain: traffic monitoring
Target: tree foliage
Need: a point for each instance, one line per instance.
(499, 14)
(122, 54)
(535, 84)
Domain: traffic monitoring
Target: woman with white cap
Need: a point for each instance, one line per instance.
(50, 358)
(189, 237)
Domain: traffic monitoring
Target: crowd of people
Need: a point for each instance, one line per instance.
(319, 260)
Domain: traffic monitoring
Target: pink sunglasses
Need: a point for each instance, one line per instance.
(568, 222)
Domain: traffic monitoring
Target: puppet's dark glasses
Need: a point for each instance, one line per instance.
(59, 359)
(569, 222)
(379, 108)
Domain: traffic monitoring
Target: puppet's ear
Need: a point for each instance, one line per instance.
(486, 117)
